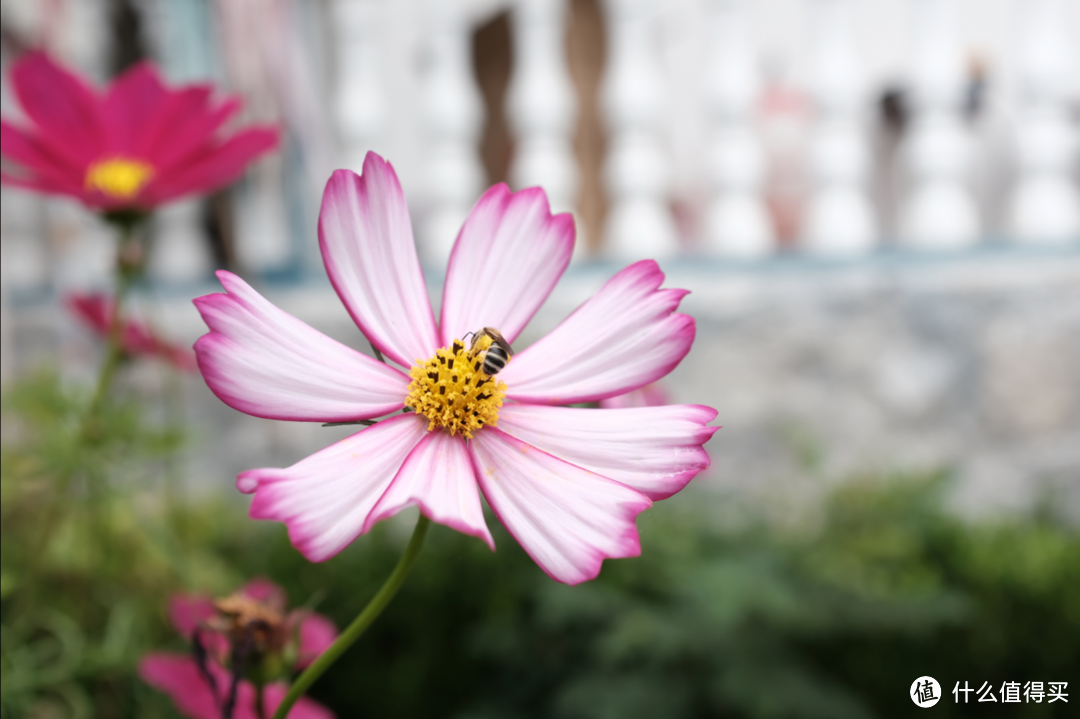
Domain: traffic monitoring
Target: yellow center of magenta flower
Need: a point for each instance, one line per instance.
(452, 391)
(118, 178)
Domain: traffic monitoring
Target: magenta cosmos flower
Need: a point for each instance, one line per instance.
(568, 483)
(133, 146)
(199, 692)
(95, 310)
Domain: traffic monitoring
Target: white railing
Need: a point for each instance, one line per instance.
(403, 84)
(541, 106)
(939, 210)
(839, 218)
(1044, 205)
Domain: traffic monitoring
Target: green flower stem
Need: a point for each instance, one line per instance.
(360, 624)
(128, 267)
(129, 263)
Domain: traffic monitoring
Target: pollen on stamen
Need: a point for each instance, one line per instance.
(459, 401)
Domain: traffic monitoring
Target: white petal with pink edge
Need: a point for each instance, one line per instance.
(367, 245)
(438, 477)
(263, 361)
(325, 499)
(627, 335)
(655, 450)
(567, 518)
(507, 258)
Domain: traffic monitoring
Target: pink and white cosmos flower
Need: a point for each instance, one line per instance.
(568, 483)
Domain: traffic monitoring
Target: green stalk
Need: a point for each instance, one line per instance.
(127, 269)
(360, 624)
(128, 266)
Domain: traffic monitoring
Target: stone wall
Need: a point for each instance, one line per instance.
(967, 364)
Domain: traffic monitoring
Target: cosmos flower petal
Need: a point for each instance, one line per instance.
(263, 361)
(38, 184)
(61, 104)
(437, 477)
(190, 611)
(179, 677)
(367, 245)
(625, 336)
(325, 499)
(266, 592)
(129, 109)
(187, 611)
(216, 167)
(317, 633)
(507, 258)
(186, 126)
(655, 450)
(567, 518)
(34, 160)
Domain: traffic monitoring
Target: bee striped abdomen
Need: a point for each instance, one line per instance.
(497, 351)
(495, 358)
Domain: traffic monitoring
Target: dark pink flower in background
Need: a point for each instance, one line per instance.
(300, 636)
(136, 339)
(568, 483)
(132, 146)
(309, 633)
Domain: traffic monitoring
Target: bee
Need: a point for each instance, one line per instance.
(497, 354)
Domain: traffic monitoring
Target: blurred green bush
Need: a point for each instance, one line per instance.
(717, 618)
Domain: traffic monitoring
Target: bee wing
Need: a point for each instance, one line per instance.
(497, 338)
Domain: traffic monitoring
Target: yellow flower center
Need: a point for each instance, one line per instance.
(119, 178)
(452, 391)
